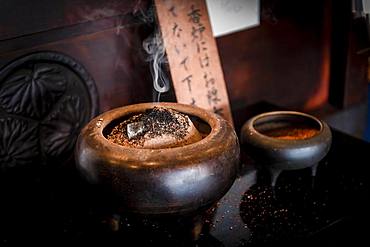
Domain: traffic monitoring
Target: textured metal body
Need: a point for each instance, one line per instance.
(161, 181)
(277, 155)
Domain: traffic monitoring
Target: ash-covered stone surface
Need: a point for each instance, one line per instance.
(154, 122)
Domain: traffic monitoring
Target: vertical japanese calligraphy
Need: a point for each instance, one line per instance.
(192, 54)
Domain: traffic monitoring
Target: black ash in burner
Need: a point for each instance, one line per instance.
(158, 124)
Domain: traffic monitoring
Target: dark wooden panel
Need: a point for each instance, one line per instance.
(114, 59)
(24, 17)
(40, 38)
(282, 60)
(356, 70)
(349, 61)
(341, 28)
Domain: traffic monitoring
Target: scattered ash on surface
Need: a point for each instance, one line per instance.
(291, 211)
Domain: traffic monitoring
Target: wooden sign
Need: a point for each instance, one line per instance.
(193, 56)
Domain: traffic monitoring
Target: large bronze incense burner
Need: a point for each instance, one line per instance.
(177, 179)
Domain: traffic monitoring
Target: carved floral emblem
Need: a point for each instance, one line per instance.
(43, 106)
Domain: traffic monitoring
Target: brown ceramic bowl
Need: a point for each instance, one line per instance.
(175, 180)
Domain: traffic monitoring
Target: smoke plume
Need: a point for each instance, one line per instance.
(156, 53)
(155, 49)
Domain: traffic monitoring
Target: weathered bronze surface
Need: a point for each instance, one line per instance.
(176, 180)
(277, 154)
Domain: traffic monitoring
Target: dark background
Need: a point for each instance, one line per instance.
(304, 55)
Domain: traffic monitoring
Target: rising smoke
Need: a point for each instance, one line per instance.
(156, 53)
(155, 49)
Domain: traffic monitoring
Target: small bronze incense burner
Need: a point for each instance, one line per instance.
(286, 140)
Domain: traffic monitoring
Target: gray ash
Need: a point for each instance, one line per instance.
(161, 121)
(157, 121)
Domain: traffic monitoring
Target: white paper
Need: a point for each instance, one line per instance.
(228, 16)
(366, 5)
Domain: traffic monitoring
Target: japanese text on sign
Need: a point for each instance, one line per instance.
(192, 54)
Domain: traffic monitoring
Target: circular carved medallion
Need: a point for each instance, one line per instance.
(45, 100)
